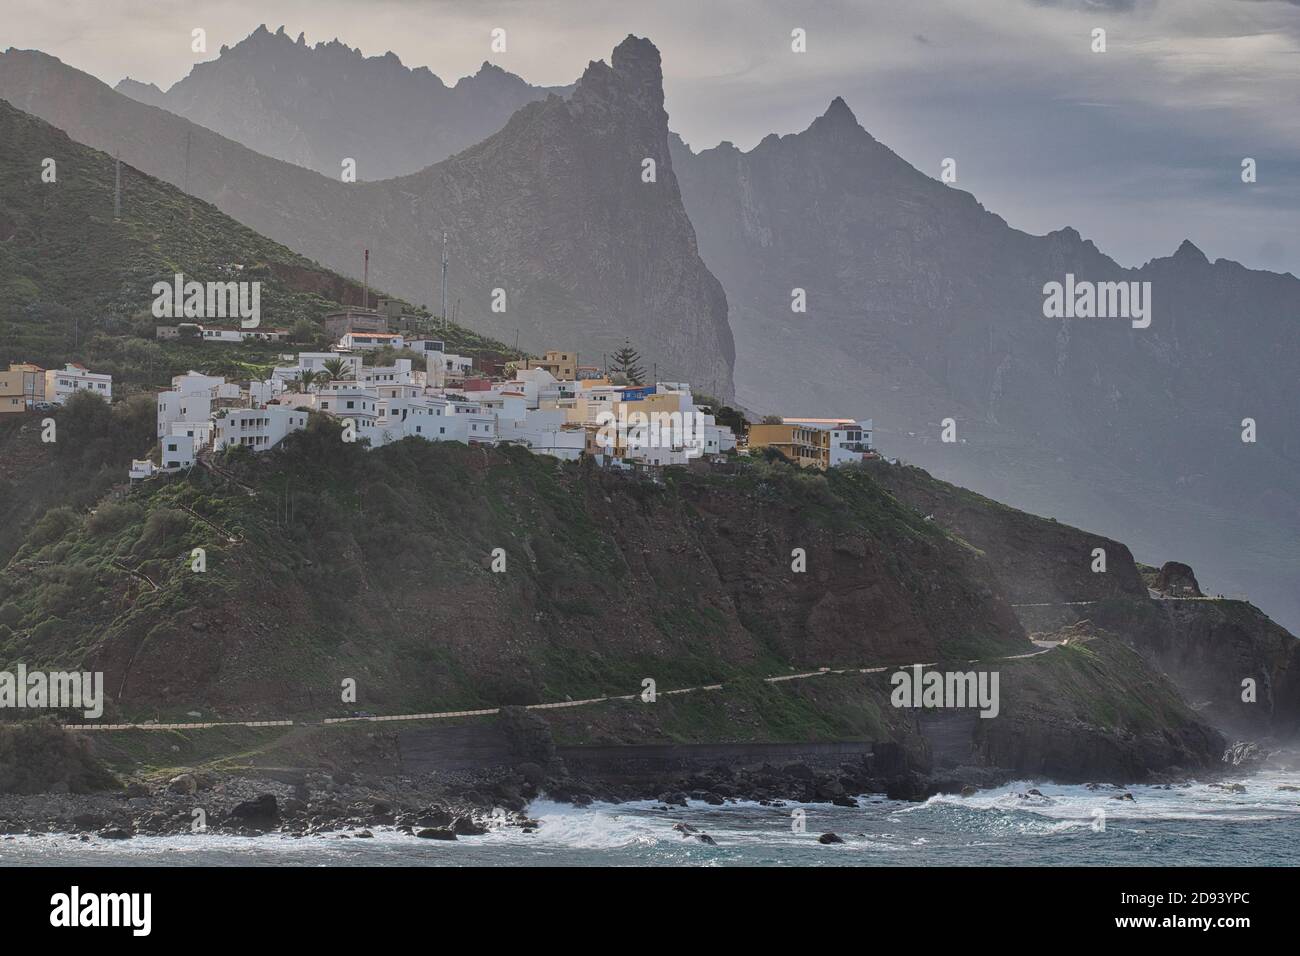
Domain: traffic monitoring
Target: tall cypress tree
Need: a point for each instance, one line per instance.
(627, 361)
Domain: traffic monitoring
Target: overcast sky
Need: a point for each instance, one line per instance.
(1138, 147)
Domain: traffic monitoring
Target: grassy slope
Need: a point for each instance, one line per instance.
(380, 573)
(75, 284)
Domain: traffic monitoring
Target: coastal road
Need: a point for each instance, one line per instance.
(1040, 647)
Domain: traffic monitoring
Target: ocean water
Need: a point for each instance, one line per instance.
(1186, 825)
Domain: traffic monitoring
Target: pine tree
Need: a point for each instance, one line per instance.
(627, 361)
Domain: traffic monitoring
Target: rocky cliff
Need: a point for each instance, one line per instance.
(1207, 646)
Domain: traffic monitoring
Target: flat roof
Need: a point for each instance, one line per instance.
(819, 421)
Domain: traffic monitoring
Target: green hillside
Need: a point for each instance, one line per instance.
(75, 284)
(377, 565)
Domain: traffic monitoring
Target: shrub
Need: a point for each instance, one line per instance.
(38, 756)
(54, 524)
(162, 534)
(112, 518)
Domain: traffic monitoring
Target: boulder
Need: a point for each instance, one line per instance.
(435, 833)
(262, 809)
(183, 783)
(464, 826)
(1177, 580)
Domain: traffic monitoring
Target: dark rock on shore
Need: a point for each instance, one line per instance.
(262, 810)
(433, 833)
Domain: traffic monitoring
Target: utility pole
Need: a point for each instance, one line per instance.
(117, 189)
(444, 279)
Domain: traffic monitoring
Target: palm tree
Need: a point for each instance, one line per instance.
(338, 369)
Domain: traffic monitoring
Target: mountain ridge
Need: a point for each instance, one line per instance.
(925, 306)
(275, 95)
(550, 210)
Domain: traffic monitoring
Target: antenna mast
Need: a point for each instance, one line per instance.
(444, 278)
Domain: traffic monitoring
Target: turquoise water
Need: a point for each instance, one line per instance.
(1190, 825)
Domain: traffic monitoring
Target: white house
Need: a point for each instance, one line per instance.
(365, 341)
(177, 453)
(544, 432)
(442, 368)
(426, 345)
(191, 401)
(210, 334)
(74, 377)
(399, 373)
(315, 362)
(257, 428)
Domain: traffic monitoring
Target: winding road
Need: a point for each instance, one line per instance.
(1041, 647)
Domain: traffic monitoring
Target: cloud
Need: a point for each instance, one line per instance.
(1091, 6)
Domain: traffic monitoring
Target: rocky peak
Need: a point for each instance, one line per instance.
(839, 112)
(1188, 253)
(635, 75)
(141, 92)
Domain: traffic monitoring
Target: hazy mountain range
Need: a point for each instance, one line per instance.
(922, 305)
(288, 100)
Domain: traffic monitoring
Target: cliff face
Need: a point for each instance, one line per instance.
(1207, 646)
(551, 210)
(378, 566)
(314, 105)
(1210, 648)
(923, 306)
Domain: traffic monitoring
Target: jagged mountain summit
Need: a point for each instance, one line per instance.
(285, 98)
(551, 211)
(924, 306)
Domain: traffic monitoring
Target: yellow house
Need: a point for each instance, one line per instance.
(563, 365)
(22, 386)
(808, 447)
